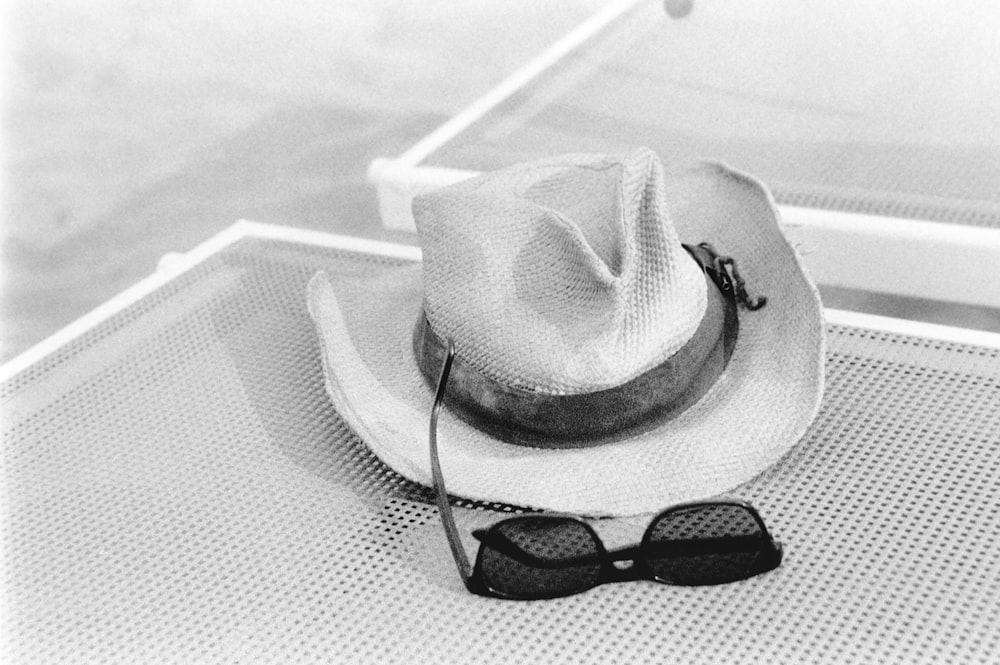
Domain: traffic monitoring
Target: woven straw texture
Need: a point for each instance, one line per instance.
(177, 489)
(561, 276)
(754, 413)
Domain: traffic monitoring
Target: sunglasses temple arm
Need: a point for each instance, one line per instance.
(444, 508)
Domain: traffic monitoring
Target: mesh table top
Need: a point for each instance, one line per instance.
(883, 109)
(177, 488)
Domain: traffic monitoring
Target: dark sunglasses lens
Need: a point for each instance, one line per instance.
(539, 557)
(708, 544)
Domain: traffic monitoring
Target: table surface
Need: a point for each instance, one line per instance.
(177, 487)
(882, 109)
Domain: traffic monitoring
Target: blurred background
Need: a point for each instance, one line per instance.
(134, 128)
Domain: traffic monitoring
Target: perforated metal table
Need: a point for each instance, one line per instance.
(178, 488)
(848, 107)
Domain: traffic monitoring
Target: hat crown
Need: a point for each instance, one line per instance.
(763, 401)
(561, 276)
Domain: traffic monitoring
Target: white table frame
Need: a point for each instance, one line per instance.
(175, 265)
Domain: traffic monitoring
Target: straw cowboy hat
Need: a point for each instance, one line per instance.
(614, 351)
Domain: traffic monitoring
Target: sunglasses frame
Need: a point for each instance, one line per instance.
(473, 578)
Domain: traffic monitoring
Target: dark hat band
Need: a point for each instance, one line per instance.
(528, 417)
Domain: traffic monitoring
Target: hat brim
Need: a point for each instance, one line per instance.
(759, 408)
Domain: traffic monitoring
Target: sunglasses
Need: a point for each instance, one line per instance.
(537, 556)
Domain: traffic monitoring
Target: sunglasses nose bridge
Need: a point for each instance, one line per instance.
(625, 565)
